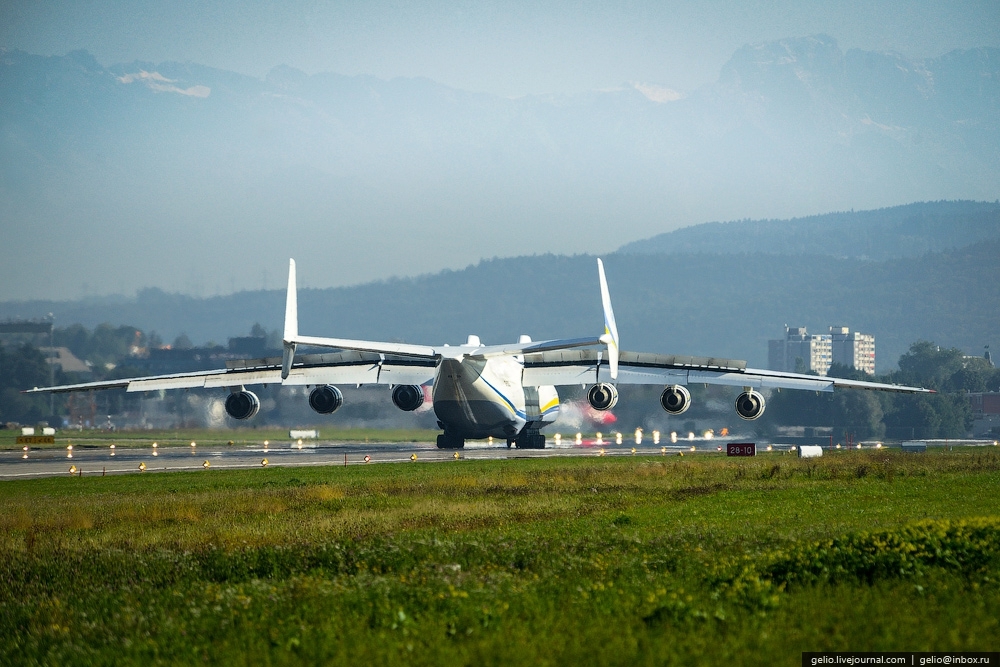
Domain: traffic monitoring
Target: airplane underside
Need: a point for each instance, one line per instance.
(476, 399)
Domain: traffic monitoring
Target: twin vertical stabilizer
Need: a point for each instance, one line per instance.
(291, 322)
(610, 337)
(291, 334)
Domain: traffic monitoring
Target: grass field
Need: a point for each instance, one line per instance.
(660, 560)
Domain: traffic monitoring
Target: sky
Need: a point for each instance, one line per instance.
(503, 48)
(407, 227)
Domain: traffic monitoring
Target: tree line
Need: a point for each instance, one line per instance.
(873, 415)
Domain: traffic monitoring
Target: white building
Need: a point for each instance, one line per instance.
(819, 351)
(813, 350)
(856, 350)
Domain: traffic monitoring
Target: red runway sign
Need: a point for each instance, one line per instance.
(741, 449)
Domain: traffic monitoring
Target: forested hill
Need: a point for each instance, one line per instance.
(698, 303)
(900, 231)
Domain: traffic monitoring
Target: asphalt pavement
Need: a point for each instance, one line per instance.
(123, 459)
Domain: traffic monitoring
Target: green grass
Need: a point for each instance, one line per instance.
(639, 560)
(238, 436)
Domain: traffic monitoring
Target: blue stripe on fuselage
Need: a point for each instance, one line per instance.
(507, 401)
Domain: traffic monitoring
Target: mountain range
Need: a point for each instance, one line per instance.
(202, 181)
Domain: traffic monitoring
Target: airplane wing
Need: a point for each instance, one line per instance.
(308, 369)
(584, 367)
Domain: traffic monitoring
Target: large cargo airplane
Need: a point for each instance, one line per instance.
(478, 391)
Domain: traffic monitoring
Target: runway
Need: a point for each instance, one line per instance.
(88, 460)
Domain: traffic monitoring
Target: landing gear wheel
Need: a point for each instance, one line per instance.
(530, 439)
(445, 441)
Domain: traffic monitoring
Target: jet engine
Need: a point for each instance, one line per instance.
(242, 404)
(749, 405)
(603, 396)
(675, 399)
(408, 397)
(325, 399)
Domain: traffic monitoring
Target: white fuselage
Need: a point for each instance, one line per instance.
(478, 398)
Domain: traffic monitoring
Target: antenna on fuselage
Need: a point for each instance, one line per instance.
(291, 323)
(610, 337)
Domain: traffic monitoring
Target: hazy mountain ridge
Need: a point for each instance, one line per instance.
(901, 231)
(701, 304)
(190, 158)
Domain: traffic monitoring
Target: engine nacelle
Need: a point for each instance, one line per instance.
(675, 399)
(242, 404)
(325, 399)
(603, 396)
(749, 405)
(408, 397)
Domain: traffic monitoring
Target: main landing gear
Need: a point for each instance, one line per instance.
(447, 441)
(529, 438)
